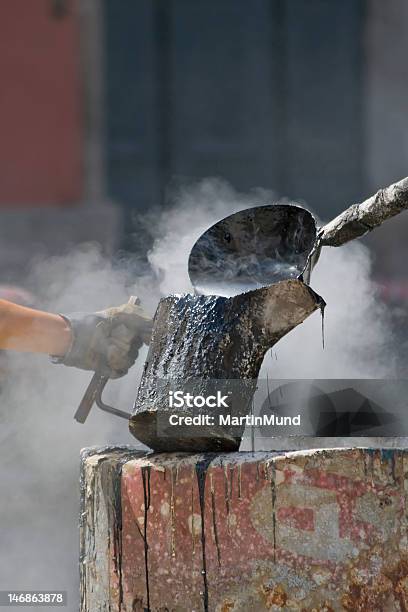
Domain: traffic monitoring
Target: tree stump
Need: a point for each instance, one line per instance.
(308, 530)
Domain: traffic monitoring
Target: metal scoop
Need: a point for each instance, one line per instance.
(252, 248)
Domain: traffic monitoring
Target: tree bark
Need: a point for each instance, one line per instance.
(359, 219)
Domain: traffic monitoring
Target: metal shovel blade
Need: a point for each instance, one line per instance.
(252, 248)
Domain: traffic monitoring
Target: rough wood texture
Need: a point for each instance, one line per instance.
(204, 338)
(101, 512)
(359, 219)
(322, 530)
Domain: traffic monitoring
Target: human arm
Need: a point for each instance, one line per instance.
(107, 341)
(28, 330)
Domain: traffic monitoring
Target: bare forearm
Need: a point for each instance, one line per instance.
(28, 330)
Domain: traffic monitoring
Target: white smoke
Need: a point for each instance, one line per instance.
(357, 326)
(194, 208)
(40, 440)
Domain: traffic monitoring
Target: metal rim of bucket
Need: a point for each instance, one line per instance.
(252, 248)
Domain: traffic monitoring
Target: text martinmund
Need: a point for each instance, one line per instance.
(260, 421)
(266, 420)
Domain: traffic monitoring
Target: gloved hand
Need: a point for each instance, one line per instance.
(107, 341)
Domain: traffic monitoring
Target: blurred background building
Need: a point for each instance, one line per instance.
(104, 103)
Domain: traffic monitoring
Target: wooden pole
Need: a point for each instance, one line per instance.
(359, 219)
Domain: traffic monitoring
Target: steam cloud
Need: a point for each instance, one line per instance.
(40, 441)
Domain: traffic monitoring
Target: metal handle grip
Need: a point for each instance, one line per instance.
(93, 393)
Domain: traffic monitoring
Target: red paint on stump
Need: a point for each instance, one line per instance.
(301, 529)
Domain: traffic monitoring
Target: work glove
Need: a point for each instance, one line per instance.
(108, 341)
